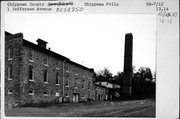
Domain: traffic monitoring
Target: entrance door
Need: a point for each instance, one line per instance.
(75, 97)
(99, 97)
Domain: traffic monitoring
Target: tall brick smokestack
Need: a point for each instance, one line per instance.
(127, 80)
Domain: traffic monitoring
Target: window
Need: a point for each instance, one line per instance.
(57, 78)
(31, 92)
(46, 60)
(9, 91)
(10, 53)
(66, 95)
(57, 64)
(75, 85)
(67, 83)
(82, 86)
(67, 75)
(83, 78)
(30, 73)
(31, 55)
(45, 76)
(57, 94)
(10, 72)
(89, 83)
(66, 69)
(45, 93)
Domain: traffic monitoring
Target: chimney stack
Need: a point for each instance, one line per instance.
(41, 43)
(127, 80)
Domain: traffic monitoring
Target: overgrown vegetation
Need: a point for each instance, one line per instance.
(143, 81)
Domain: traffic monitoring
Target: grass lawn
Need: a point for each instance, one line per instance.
(135, 108)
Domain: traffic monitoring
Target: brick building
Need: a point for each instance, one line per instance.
(105, 90)
(35, 74)
(101, 92)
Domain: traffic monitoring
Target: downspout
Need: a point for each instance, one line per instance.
(63, 82)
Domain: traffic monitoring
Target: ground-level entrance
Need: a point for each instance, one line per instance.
(75, 97)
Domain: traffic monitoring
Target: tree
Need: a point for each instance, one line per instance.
(145, 73)
(104, 75)
(118, 78)
(133, 69)
(142, 82)
(154, 76)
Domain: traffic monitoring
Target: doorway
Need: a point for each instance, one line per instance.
(75, 97)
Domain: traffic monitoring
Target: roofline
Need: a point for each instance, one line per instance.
(101, 86)
(90, 69)
(108, 82)
(7, 33)
(46, 51)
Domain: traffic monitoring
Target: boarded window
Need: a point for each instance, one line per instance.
(57, 94)
(46, 60)
(31, 55)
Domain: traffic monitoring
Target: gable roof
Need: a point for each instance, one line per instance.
(46, 51)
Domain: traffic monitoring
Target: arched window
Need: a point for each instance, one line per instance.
(57, 78)
(46, 60)
(31, 92)
(10, 53)
(10, 72)
(45, 76)
(31, 55)
(31, 73)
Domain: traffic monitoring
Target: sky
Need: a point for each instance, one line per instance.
(93, 40)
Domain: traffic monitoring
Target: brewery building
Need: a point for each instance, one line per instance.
(35, 74)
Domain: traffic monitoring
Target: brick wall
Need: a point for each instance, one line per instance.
(12, 90)
(78, 78)
(38, 85)
(100, 93)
